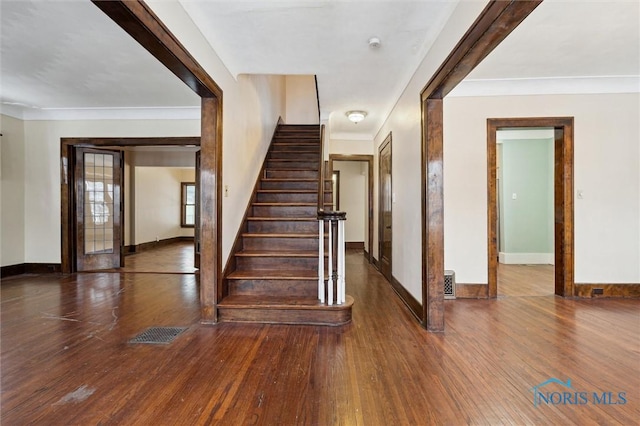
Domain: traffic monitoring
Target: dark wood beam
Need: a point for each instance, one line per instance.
(139, 21)
(495, 23)
(211, 289)
(131, 142)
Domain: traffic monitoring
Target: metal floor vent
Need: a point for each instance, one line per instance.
(449, 285)
(158, 335)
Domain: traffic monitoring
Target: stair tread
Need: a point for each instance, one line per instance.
(295, 219)
(277, 253)
(289, 191)
(279, 235)
(277, 274)
(267, 179)
(286, 204)
(274, 302)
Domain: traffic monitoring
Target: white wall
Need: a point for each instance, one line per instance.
(353, 199)
(350, 146)
(606, 170)
(12, 227)
(302, 100)
(158, 203)
(404, 123)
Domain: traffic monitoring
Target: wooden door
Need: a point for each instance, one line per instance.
(98, 212)
(385, 197)
(196, 230)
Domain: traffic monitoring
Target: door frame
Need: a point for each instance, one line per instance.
(67, 198)
(387, 142)
(562, 199)
(369, 160)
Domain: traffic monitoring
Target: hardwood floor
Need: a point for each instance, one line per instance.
(66, 360)
(176, 257)
(525, 280)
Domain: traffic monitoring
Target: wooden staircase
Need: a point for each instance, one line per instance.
(273, 275)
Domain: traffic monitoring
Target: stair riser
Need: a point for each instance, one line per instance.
(287, 155)
(297, 197)
(308, 148)
(285, 211)
(278, 227)
(285, 316)
(309, 185)
(293, 164)
(274, 288)
(249, 263)
(279, 244)
(291, 174)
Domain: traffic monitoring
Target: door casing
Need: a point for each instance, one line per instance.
(385, 262)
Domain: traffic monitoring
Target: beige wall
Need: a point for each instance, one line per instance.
(606, 170)
(351, 146)
(12, 219)
(302, 100)
(158, 203)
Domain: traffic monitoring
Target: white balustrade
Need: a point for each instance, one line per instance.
(336, 258)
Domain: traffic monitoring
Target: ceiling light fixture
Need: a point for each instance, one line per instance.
(356, 116)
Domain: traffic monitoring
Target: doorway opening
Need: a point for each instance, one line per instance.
(385, 207)
(562, 128)
(525, 228)
(353, 193)
(96, 234)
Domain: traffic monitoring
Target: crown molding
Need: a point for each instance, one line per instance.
(547, 86)
(62, 114)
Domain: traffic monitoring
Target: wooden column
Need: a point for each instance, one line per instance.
(211, 289)
(432, 216)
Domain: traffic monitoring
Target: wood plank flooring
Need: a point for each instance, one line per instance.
(65, 359)
(525, 280)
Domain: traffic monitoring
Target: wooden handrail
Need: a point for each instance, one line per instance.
(321, 173)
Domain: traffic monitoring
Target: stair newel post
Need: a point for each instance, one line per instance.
(330, 282)
(321, 290)
(341, 263)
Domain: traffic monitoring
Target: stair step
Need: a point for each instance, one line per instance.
(274, 283)
(293, 164)
(298, 260)
(280, 242)
(290, 196)
(294, 155)
(287, 183)
(282, 224)
(291, 173)
(285, 210)
(283, 310)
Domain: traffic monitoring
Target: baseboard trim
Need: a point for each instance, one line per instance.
(354, 245)
(30, 268)
(407, 298)
(374, 262)
(155, 244)
(628, 291)
(472, 291)
(526, 258)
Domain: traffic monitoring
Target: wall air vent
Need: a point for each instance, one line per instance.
(449, 285)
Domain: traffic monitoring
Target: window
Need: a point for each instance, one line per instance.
(188, 201)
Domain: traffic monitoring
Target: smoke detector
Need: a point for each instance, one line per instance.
(374, 42)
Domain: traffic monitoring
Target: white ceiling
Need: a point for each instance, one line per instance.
(60, 54)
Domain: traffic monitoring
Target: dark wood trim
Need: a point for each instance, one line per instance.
(354, 245)
(150, 245)
(30, 268)
(91, 142)
(411, 302)
(369, 160)
(471, 291)
(630, 290)
(563, 198)
(321, 171)
(433, 216)
(494, 24)
(367, 255)
(139, 21)
(211, 283)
